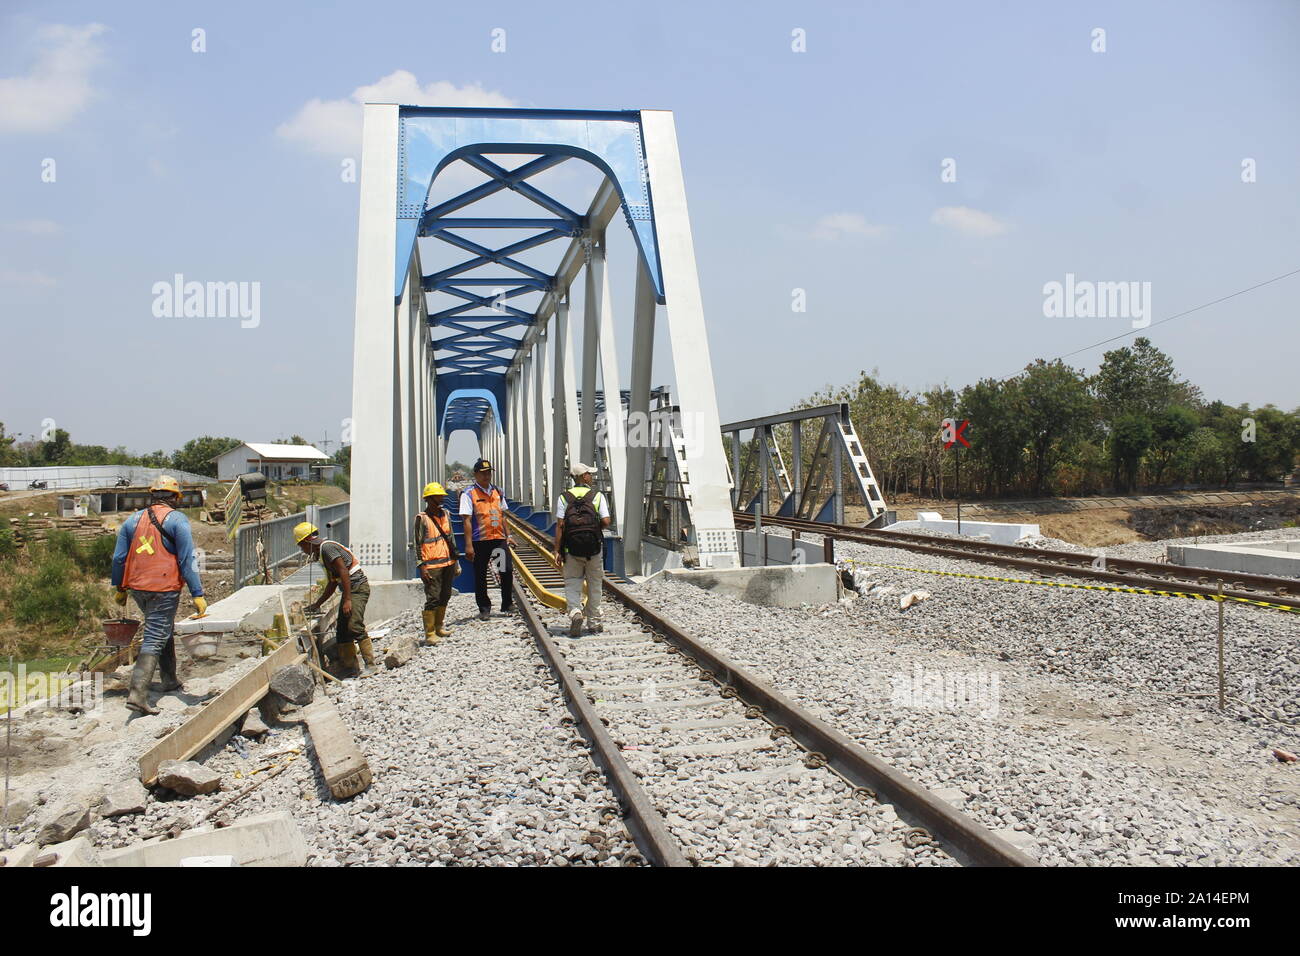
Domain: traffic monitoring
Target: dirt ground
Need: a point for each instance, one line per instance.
(1097, 527)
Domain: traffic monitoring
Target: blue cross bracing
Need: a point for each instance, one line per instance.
(476, 337)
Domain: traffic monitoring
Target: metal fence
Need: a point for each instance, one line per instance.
(81, 477)
(277, 539)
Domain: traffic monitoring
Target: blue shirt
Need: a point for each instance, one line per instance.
(176, 528)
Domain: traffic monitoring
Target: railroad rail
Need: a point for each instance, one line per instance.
(605, 676)
(1152, 575)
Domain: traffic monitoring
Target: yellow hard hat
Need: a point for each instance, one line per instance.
(435, 489)
(302, 531)
(166, 483)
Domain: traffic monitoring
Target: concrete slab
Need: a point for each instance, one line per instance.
(341, 761)
(253, 608)
(774, 586)
(272, 839)
(1280, 558)
(997, 531)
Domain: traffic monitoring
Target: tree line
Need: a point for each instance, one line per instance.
(197, 455)
(1054, 430)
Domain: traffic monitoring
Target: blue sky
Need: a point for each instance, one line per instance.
(817, 170)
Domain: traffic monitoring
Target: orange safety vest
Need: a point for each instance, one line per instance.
(435, 547)
(329, 570)
(149, 565)
(489, 519)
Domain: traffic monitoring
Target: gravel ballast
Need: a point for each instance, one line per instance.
(1062, 716)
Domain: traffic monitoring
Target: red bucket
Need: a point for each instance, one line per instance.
(120, 631)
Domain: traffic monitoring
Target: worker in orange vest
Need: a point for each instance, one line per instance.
(435, 546)
(487, 541)
(154, 555)
(342, 572)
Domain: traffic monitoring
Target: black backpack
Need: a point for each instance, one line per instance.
(582, 532)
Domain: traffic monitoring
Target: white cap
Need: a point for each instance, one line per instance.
(578, 470)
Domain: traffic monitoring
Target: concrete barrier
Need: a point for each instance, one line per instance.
(1281, 558)
(773, 586)
(997, 531)
(272, 839)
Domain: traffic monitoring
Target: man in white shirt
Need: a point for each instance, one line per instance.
(483, 506)
(581, 517)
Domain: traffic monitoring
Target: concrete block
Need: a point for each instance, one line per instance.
(75, 852)
(1281, 558)
(773, 586)
(341, 761)
(272, 839)
(997, 531)
(21, 855)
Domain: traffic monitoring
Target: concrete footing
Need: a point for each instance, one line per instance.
(272, 839)
(773, 586)
(253, 608)
(997, 531)
(1281, 558)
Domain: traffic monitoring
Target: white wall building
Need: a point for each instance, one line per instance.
(277, 462)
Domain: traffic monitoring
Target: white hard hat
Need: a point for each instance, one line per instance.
(578, 470)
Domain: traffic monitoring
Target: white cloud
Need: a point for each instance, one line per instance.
(58, 86)
(35, 227)
(835, 226)
(968, 221)
(37, 279)
(334, 126)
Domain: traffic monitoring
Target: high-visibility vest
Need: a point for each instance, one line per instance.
(435, 538)
(329, 570)
(149, 565)
(489, 518)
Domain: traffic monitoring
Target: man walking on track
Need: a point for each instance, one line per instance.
(581, 517)
(487, 542)
(436, 549)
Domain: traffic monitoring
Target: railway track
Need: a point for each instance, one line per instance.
(712, 765)
(1149, 575)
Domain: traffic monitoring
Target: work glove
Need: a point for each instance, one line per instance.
(200, 607)
(120, 597)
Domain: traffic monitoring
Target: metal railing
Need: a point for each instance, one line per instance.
(277, 539)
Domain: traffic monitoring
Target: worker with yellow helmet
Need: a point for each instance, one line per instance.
(153, 560)
(435, 547)
(343, 572)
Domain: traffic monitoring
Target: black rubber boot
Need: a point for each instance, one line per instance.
(167, 668)
(138, 700)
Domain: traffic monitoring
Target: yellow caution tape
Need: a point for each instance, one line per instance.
(1082, 587)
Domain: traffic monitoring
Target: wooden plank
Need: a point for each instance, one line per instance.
(341, 761)
(201, 729)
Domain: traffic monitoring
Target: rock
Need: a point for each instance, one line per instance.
(915, 597)
(18, 808)
(400, 651)
(129, 796)
(254, 726)
(294, 684)
(21, 855)
(68, 819)
(188, 778)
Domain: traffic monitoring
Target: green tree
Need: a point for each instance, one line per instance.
(9, 455)
(1058, 412)
(998, 430)
(1130, 438)
(198, 454)
(55, 451)
(1171, 429)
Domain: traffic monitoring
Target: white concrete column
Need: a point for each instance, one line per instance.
(375, 516)
(615, 433)
(639, 433)
(558, 444)
(540, 418)
(693, 369)
(526, 426)
(591, 310)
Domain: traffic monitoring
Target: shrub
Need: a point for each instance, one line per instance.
(96, 555)
(8, 544)
(46, 593)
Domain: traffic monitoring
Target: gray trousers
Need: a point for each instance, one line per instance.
(577, 570)
(159, 610)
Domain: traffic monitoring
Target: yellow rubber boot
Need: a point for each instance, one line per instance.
(439, 616)
(430, 627)
(367, 651)
(348, 658)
